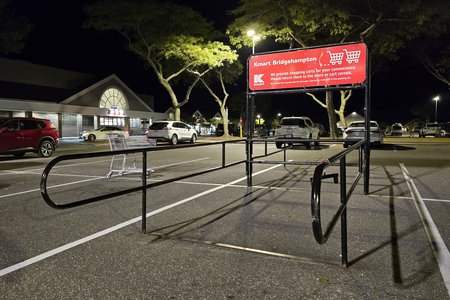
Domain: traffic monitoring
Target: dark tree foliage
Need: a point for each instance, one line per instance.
(13, 30)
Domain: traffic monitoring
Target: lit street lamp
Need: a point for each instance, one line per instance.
(278, 118)
(435, 112)
(254, 37)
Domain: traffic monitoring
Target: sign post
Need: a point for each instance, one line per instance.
(324, 68)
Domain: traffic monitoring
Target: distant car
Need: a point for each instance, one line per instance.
(172, 131)
(21, 135)
(445, 130)
(322, 131)
(102, 133)
(430, 129)
(355, 132)
(415, 129)
(233, 129)
(296, 128)
(396, 129)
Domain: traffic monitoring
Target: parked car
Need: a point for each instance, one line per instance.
(445, 130)
(172, 131)
(414, 130)
(356, 132)
(233, 129)
(102, 133)
(396, 129)
(322, 131)
(296, 128)
(430, 129)
(21, 135)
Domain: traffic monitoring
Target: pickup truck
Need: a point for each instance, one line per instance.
(430, 129)
(296, 128)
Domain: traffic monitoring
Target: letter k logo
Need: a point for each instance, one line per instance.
(257, 79)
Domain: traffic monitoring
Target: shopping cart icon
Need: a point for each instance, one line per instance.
(336, 57)
(352, 56)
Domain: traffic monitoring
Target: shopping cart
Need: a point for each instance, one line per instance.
(336, 57)
(126, 163)
(352, 56)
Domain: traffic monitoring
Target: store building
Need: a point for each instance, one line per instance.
(73, 101)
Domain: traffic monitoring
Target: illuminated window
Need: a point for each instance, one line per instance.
(111, 121)
(112, 98)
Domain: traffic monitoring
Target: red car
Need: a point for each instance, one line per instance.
(21, 135)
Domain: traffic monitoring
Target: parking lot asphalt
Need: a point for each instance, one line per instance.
(212, 237)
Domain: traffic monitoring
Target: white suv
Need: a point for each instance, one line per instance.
(296, 128)
(432, 129)
(172, 131)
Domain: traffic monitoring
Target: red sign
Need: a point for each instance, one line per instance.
(337, 65)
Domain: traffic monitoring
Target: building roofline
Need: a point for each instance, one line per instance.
(97, 84)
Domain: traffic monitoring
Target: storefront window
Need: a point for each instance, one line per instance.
(116, 104)
(111, 121)
(112, 98)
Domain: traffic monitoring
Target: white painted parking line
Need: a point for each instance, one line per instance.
(50, 187)
(410, 198)
(91, 237)
(81, 181)
(440, 250)
(33, 171)
(180, 163)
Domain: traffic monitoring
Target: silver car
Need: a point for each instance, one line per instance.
(296, 128)
(355, 132)
(172, 131)
(102, 133)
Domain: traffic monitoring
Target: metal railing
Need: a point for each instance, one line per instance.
(143, 187)
(316, 180)
(316, 183)
(341, 212)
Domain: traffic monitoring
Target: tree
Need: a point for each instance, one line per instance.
(13, 30)
(228, 69)
(169, 38)
(386, 26)
(434, 55)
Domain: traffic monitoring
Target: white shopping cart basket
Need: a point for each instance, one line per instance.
(126, 163)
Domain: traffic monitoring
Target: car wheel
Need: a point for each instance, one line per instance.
(193, 138)
(92, 137)
(174, 139)
(317, 144)
(279, 144)
(18, 154)
(308, 144)
(46, 148)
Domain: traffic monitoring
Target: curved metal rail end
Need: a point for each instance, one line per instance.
(315, 203)
(319, 234)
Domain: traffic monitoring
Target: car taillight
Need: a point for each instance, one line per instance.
(278, 126)
(167, 128)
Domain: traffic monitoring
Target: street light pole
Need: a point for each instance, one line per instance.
(254, 37)
(435, 112)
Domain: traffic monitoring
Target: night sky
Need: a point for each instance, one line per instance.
(59, 40)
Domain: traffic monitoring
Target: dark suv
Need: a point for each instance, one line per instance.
(21, 135)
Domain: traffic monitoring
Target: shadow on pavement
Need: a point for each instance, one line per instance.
(303, 147)
(393, 147)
